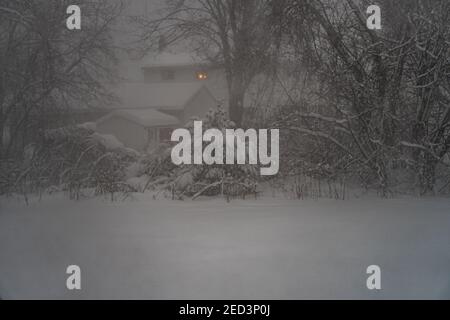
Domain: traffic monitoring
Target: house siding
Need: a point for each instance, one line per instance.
(199, 105)
(181, 74)
(216, 82)
(129, 133)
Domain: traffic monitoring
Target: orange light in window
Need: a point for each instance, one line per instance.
(202, 76)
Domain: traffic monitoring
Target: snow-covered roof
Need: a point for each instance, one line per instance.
(169, 96)
(167, 59)
(144, 117)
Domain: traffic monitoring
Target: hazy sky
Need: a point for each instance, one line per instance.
(130, 69)
(143, 6)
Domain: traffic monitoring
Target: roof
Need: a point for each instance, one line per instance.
(169, 96)
(167, 59)
(144, 117)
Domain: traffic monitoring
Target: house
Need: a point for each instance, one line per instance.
(138, 128)
(148, 112)
(168, 67)
(168, 89)
(182, 86)
(171, 90)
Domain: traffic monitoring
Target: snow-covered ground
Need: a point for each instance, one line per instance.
(208, 249)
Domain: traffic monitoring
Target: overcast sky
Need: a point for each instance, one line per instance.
(130, 69)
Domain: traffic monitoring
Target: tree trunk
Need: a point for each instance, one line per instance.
(2, 147)
(236, 108)
(236, 91)
(428, 175)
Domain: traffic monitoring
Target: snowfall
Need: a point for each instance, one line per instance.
(270, 248)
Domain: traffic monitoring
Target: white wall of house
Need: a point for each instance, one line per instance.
(128, 132)
(199, 105)
(180, 74)
(215, 81)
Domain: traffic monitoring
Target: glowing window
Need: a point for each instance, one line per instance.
(202, 75)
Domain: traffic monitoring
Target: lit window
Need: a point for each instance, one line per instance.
(202, 76)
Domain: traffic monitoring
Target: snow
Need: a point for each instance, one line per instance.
(270, 248)
(133, 170)
(169, 59)
(109, 141)
(144, 117)
(88, 126)
(138, 183)
(169, 96)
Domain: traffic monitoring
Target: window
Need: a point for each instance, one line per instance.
(167, 75)
(201, 75)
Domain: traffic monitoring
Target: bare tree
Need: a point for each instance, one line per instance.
(378, 93)
(239, 34)
(44, 66)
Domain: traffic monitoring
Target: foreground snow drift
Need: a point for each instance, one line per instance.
(264, 249)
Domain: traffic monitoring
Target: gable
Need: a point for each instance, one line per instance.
(199, 105)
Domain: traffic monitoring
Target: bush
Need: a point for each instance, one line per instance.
(201, 180)
(71, 159)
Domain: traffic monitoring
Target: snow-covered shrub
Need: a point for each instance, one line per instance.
(306, 151)
(211, 180)
(193, 181)
(158, 162)
(71, 159)
(305, 187)
(108, 176)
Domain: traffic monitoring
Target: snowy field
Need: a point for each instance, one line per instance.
(208, 249)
